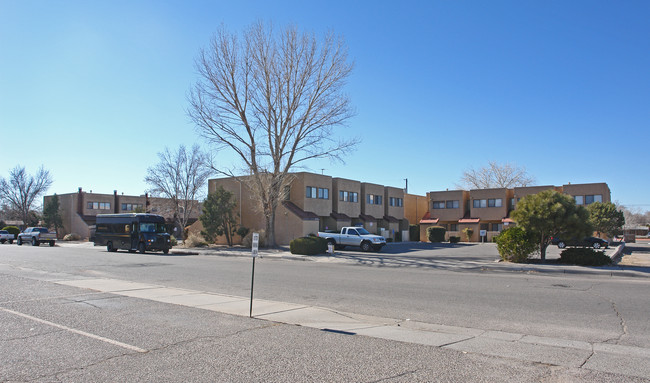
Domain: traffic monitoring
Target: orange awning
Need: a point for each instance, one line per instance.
(469, 220)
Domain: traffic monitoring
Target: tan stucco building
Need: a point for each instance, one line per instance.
(79, 210)
(316, 202)
(488, 210)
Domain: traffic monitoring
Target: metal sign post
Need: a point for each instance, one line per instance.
(254, 253)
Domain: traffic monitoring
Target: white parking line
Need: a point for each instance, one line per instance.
(72, 330)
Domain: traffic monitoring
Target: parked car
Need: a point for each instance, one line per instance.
(354, 236)
(36, 235)
(594, 242)
(5, 236)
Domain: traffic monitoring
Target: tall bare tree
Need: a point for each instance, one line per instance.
(179, 177)
(274, 100)
(21, 190)
(496, 175)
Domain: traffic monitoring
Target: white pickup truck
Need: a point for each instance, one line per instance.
(354, 236)
(36, 235)
(5, 236)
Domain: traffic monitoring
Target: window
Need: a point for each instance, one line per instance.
(131, 206)
(495, 202)
(373, 199)
(497, 226)
(480, 203)
(452, 204)
(320, 193)
(580, 200)
(99, 205)
(394, 201)
(589, 199)
(512, 202)
(354, 197)
(453, 227)
(438, 204)
(343, 196)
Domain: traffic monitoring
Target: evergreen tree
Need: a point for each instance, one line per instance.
(52, 214)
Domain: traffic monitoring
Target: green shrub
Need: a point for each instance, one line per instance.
(173, 241)
(414, 233)
(436, 233)
(12, 230)
(515, 245)
(308, 246)
(71, 237)
(454, 239)
(584, 256)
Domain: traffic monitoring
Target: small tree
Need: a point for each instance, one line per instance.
(218, 216)
(468, 231)
(179, 177)
(605, 218)
(548, 214)
(21, 191)
(515, 244)
(52, 214)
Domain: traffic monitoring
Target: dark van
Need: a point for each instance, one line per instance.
(132, 232)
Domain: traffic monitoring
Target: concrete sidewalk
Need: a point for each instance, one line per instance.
(605, 357)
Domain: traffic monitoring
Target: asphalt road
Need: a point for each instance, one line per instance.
(174, 343)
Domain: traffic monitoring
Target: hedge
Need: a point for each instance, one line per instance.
(584, 256)
(308, 246)
(436, 233)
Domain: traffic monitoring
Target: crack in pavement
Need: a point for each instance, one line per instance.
(405, 373)
(622, 323)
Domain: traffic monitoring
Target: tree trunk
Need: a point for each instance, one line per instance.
(270, 228)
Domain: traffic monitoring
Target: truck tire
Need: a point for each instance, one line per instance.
(19, 242)
(11, 241)
(51, 243)
(166, 251)
(35, 242)
(141, 248)
(365, 246)
(2, 241)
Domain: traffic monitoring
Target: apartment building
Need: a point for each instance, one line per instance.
(79, 210)
(316, 202)
(488, 210)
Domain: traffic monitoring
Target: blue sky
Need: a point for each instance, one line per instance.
(93, 90)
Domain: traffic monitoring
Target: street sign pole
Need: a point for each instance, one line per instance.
(254, 253)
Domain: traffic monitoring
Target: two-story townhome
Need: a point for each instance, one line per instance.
(490, 207)
(346, 203)
(447, 209)
(372, 207)
(586, 194)
(393, 208)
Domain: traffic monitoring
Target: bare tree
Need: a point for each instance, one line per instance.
(179, 177)
(21, 191)
(274, 100)
(496, 176)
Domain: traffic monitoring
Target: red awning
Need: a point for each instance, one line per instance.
(429, 220)
(507, 220)
(469, 220)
